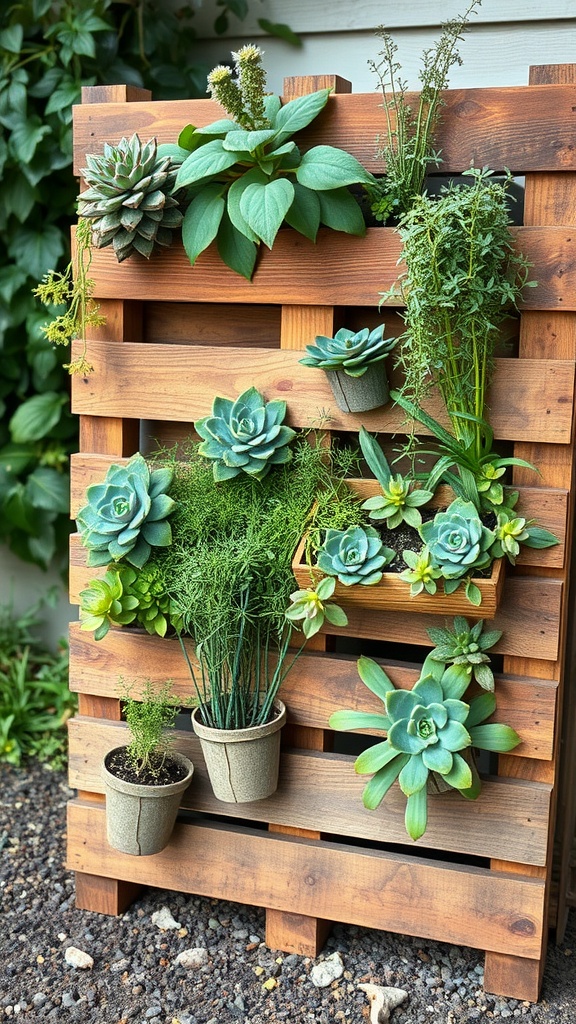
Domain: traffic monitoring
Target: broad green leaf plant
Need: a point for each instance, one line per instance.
(430, 732)
(246, 176)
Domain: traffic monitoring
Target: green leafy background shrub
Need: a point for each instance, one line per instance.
(48, 50)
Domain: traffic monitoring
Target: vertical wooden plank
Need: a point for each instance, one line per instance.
(548, 197)
(114, 437)
(297, 933)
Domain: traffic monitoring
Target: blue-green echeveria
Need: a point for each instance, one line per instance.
(245, 436)
(355, 555)
(350, 351)
(126, 514)
(457, 540)
(429, 729)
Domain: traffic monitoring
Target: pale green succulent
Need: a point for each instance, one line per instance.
(245, 436)
(311, 607)
(126, 514)
(400, 499)
(355, 555)
(130, 201)
(107, 601)
(421, 574)
(511, 531)
(429, 729)
(350, 351)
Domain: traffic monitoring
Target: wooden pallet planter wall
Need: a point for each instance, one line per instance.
(175, 337)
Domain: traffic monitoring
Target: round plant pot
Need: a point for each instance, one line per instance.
(242, 764)
(140, 818)
(359, 394)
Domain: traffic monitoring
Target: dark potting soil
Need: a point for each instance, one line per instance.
(164, 770)
(407, 538)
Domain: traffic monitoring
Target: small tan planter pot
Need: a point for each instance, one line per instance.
(140, 819)
(242, 764)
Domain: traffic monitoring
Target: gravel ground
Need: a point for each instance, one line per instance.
(227, 974)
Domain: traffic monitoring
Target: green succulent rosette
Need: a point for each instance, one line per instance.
(126, 514)
(245, 436)
(350, 351)
(457, 540)
(107, 601)
(355, 555)
(429, 730)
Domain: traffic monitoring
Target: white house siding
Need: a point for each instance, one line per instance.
(503, 39)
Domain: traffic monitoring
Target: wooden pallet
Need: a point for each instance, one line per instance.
(175, 336)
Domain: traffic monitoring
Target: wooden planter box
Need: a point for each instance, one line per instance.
(175, 336)
(393, 594)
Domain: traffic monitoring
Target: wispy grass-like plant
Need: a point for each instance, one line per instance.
(408, 144)
(228, 573)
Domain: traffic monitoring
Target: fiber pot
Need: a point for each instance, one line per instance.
(242, 764)
(139, 818)
(359, 394)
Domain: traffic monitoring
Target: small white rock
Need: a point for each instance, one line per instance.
(327, 971)
(382, 1001)
(163, 919)
(192, 958)
(78, 958)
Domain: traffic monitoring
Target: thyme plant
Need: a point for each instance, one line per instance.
(408, 143)
(147, 721)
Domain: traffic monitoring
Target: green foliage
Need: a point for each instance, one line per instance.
(126, 514)
(408, 144)
(400, 500)
(148, 719)
(35, 701)
(245, 436)
(463, 276)
(47, 52)
(107, 601)
(421, 573)
(466, 645)
(355, 555)
(229, 574)
(245, 177)
(350, 351)
(429, 731)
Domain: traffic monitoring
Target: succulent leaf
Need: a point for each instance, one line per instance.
(349, 351)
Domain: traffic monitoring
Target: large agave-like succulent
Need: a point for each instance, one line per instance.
(429, 729)
(245, 436)
(457, 540)
(126, 514)
(355, 555)
(129, 200)
(350, 351)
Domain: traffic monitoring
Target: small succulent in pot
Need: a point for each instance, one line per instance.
(355, 555)
(245, 436)
(352, 362)
(430, 729)
(126, 514)
(351, 351)
(130, 200)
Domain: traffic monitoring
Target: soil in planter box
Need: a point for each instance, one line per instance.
(165, 770)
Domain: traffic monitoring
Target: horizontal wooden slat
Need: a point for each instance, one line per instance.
(528, 614)
(509, 821)
(525, 128)
(546, 505)
(530, 399)
(317, 685)
(339, 270)
(334, 882)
